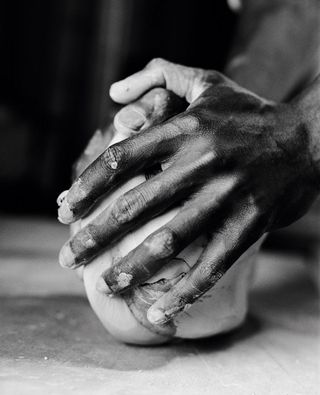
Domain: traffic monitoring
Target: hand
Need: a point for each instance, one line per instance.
(154, 107)
(236, 164)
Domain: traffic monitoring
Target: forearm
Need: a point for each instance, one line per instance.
(276, 46)
(308, 106)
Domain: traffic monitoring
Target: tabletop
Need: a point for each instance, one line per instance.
(52, 343)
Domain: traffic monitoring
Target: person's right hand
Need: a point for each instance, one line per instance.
(237, 165)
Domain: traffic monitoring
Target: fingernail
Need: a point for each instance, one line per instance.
(102, 286)
(156, 316)
(131, 118)
(66, 257)
(65, 215)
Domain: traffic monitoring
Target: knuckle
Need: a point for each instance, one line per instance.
(123, 211)
(159, 96)
(162, 245)
(112, 157)
(259, 215)
(85, 240)
(156, 62)
(208, 160)
(215, 77)
(90, 236)
(254, 204)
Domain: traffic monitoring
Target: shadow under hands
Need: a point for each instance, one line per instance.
(64, 329)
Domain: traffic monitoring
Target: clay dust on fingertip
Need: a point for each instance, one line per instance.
(61, 197)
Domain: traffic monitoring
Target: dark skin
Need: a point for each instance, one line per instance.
(275, 50)
(238, 166)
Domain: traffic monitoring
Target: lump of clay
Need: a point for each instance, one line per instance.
(221, 309)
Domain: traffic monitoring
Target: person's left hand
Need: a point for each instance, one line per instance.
(236, 165)
(152, 108)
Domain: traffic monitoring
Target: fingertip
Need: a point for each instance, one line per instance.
(165, 309)
(119, 92)
(65, 214)
(73, 206)
(66, 257)
(61, 197)
(113, 91)
(156, 316)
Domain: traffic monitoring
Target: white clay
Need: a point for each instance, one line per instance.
(222, 308)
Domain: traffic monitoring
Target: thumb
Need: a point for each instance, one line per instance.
(186, 82)
(155, 107)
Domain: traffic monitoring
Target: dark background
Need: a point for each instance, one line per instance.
(58, 60)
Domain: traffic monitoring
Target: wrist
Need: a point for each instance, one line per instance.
(263, 76)
(244, 72)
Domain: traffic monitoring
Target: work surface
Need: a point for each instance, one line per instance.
(52, 343)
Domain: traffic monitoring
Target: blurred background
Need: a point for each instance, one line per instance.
(59, 58)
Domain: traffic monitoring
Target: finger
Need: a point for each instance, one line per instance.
(154, 107)
(114, 165)
(96, 145)
(227, 244)
(127, 212)
(74, 228)
(186, 82)
(165, 243)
